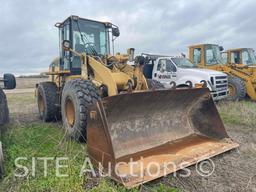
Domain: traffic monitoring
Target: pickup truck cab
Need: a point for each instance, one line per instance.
(167, 69)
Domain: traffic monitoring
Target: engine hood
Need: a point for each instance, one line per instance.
(204, 72)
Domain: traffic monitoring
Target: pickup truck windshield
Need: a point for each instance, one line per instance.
(183, 63)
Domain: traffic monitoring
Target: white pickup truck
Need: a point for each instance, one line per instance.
(167, 69)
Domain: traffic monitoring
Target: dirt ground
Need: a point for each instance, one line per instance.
(234, 170)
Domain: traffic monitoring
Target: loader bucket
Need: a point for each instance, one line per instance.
(141, 136)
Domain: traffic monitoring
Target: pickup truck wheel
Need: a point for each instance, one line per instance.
(4, 112)
(236, 88)
(153, 84)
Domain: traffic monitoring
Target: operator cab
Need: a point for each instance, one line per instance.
(244, 56)
(84, 36)
(206, 55)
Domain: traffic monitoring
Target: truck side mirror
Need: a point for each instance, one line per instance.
(115, 32)
(221, 48)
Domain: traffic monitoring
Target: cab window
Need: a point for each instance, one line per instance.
(235, 57)
(224, 57)
(197, 55)
(246, 58)
(165, 65)
(209, 56)
(213, 55)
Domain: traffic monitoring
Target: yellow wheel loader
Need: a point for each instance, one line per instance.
(241, 78)
(242, 57)
(104, 100)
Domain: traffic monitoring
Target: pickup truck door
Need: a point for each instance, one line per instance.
(165, 72)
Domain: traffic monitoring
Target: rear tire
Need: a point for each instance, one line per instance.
(4, 111)
(48, 101)
(237, 89)
(77, 95)
(154, 84)
(9, 81)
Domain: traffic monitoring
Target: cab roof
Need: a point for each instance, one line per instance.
(74, 17)
(237, 49)
(203, 44)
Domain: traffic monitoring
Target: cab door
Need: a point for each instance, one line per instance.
(69, 61)
(196, 55)
(65, 56)
(166, 72)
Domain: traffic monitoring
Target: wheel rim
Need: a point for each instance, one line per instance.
(231, 90)
(70, 112)
(41, 105)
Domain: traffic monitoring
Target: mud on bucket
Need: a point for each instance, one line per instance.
(146, 135)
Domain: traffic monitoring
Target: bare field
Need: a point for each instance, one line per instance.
(233, 171)
(26, 83)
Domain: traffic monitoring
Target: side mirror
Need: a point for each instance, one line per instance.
(183, 55)
(115, 32)
(66, 45)
(221, 48)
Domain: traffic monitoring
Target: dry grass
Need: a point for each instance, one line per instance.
(241, 113)
(23, 107)
(27, 136)
(25, 83)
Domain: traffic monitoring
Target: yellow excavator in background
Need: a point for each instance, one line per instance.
(122, 115)
(241, 78)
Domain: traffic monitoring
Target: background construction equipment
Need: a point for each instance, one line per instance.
(242, 79)
(180, 71)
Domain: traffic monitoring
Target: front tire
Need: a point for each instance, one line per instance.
(237, 89)
(154, 84)
(48, 101)
(77, 95)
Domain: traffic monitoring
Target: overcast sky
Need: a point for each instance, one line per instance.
(29, 40)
